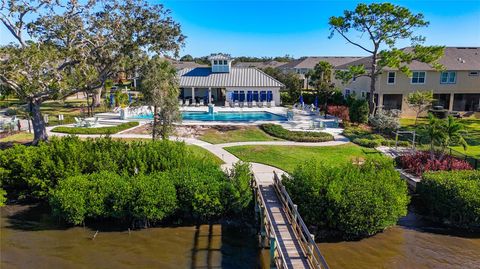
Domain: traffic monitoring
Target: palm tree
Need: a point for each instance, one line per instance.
(434, 131)
(454, 131)
(160, 88)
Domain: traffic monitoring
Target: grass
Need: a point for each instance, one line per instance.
(472, 136)
(22, 137)
(288, 157)
(235, 134)
(201, 152)
(95, 130)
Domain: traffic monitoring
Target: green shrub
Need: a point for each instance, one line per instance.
(358, 110)
(355, 132)
(241, 191)
(392, 143)
(3, 197)
(351, 201)
(369, 143)
(95, 130)
(451, 197)
(280, 132)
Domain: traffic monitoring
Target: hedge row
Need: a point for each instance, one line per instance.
(298, 136)
(350, 201)
(451, 197)
(95, 130)
(103, 178)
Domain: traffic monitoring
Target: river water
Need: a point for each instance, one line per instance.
(31, 239)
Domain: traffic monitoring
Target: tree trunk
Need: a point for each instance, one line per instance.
(373, 80)
(97, 97)
(39, 130)
(154, 126)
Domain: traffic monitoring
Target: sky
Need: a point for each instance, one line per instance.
(300, 28)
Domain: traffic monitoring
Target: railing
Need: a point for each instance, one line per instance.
(306, 239)
(276, 255)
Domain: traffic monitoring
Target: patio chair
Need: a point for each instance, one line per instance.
(269, 104)
(260, 104)
(254, 103)
(236, 103)
(197, 103)
(180, 102)
(187, 102)
(241, 104)
(264, 104)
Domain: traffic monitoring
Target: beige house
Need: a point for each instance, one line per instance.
(456, 88)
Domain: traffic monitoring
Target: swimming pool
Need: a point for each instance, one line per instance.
(225, 116)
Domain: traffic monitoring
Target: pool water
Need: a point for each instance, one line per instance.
(226, 116)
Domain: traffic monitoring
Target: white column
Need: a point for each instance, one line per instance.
(209, 95)
(450, 106)
(380, 100)
(193, 95)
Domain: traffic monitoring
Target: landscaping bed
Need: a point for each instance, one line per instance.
(366, 138)
(298, 136)
(95, 130)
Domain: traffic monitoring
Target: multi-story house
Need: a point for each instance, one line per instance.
(305, 64)
(456, 87)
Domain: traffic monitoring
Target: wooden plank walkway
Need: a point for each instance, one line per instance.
(287, 241)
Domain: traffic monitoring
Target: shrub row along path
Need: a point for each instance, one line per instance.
(287, 240)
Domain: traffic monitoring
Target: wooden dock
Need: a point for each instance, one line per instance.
(283, 230)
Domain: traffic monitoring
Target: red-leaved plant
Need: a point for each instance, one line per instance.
(340, 112)
(421, 161)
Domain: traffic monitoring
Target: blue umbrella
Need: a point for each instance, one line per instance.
(129, 98)
(269, 96)
(301, 100)
(315, 103)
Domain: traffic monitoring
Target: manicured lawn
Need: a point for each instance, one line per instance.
(201, 152)
(235, 134)
(288, 157)
(472, 136)
(22, 137)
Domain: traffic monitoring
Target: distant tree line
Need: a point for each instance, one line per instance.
(204, 59)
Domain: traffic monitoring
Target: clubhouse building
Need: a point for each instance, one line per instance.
(224, 85)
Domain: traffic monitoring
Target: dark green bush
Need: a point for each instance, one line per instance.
(104, 178)
(358, 110)
(95, 130)
(451, 197)
(280, 132)
(368, 143)
(351, 201)
(35, 170)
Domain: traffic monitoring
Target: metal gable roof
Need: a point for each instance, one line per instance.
(237, 77)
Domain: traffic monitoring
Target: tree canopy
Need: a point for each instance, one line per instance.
(65, 47)
(384, 24)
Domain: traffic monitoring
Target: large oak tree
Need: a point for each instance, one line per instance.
(65, 47)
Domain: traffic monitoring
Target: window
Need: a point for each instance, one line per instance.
(364, 94)
(473, 73)
(448, 77)
(347, 92)
(354, 78)
(418, 77)
(215, 62)
(391, 78)
(225, 62)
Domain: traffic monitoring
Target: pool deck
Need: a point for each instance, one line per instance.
(302, 121)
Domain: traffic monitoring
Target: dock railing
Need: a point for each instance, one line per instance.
(306, 239)
(277, 257)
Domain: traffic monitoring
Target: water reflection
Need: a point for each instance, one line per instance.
(31, 239)
(413, 243)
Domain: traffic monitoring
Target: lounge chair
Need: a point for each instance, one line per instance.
(187, 102)
(235, 103)
(180, 102)
(269, 104)
(264, 104)
(78, 122)
(260, 104)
